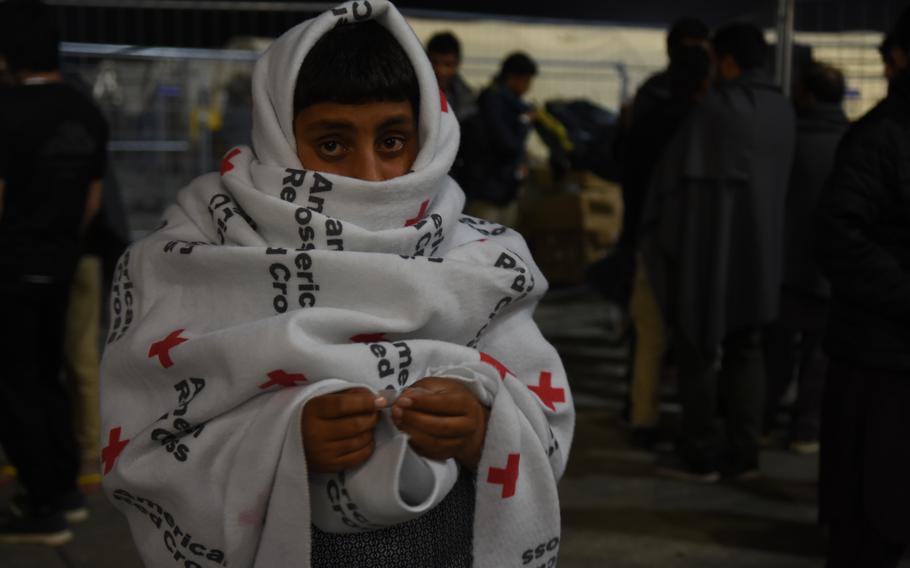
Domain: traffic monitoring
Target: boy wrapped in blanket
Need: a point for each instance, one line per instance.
(317, 360)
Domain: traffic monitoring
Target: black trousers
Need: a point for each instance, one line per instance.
(36, 422)
(734, 391)
(864, 492)
(793, 350)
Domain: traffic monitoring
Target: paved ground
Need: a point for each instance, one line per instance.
(616, 513)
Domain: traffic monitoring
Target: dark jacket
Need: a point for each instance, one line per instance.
(463, 102)
(461, 98)
(655, 91)
(494, 145)
(644, 144)
(863, 237)
(819, 130)
(713, 226)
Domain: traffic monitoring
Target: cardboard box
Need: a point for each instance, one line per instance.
(569, 230)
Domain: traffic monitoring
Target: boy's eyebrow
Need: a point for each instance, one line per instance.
(327, 124)
(397, 120)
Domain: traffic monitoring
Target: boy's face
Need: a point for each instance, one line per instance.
(373, 141)
(445, 65)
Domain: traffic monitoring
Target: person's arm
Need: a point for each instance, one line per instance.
(857, 201)
(92, 203)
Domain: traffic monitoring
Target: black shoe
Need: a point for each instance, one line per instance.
(72, 505)
(674, 466)
(49, 529)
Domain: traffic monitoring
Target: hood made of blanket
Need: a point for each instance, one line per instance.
(370, 204)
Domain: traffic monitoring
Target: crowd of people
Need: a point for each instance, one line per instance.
(765, 242)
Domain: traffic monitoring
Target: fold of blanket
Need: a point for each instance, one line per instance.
(268, 285)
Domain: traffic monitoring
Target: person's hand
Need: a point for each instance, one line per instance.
(443, 419)
(338, 429)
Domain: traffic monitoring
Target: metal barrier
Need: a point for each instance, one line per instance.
(173, 112)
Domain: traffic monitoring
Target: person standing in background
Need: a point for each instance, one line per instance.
(52, 159)
(497, 158)
(444, 52)
(690, 76)
(886, 50)
(105, 239)
(686, 32)
(713, 242)
(863, 246)
(793, 345)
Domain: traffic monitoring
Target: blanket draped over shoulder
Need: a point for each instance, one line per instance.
(268, 285)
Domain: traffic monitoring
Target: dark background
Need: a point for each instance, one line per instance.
(201, 24)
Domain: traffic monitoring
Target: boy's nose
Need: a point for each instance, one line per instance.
(369, 167)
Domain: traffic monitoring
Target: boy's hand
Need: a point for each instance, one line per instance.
(444, 420)
(338, 429)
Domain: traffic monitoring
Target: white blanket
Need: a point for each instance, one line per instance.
(268, 285)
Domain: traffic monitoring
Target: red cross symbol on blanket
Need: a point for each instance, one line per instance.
(546, 392)
(442, 99)
(490, 360)
(162, 349)
(226, 164)
(283, 379)
(369, 338)
(114, 447)
(507, 476)
(420, 214)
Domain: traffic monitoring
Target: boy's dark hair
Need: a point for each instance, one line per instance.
(354, 64)
(884, 49)
(444, 43)
(518, 63)
(745, 43)
(824, 82)
(689, 70)
(29, 38)
(683, 30)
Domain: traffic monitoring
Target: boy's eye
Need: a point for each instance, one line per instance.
(392, 143)
(331, 148)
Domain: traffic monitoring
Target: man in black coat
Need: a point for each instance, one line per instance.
(649, 135)
(658, 88)
(793, 344)
(712, 241)
(863, 244)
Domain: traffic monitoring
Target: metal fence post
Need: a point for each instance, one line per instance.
(785, 23)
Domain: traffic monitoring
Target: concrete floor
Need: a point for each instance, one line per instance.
(616, 512)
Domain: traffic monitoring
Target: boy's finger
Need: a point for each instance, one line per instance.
(350, 445)
(352, 459)
(348, 403)
(351, 426)
(434, 448)
(436, 425)
(444, 403)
